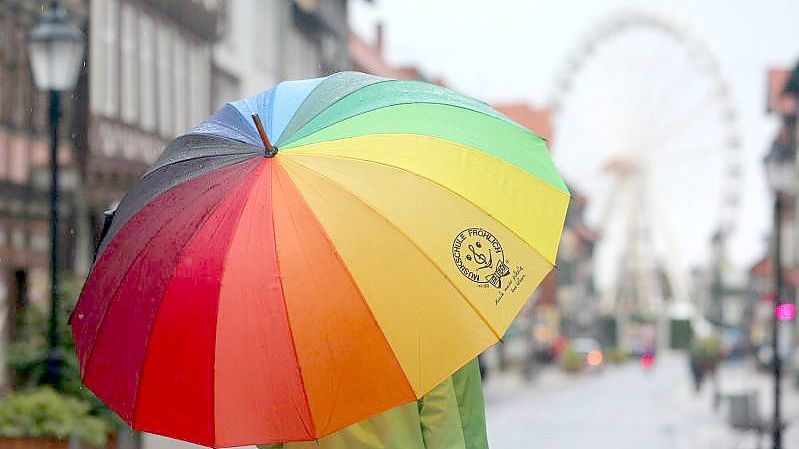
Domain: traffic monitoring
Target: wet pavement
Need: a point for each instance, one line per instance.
(626, 406)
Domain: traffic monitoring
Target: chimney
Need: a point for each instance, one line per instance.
(379, 36)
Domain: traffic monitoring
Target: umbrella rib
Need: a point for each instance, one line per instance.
(318, 113)
(209, 156)
(123, 214)
(311, 425)
(119, 285)
(114, 295)
(199, 227)
(304, 100)
(227, 141)
(354, 283)
(114, 298)
(464, 146)
(409, 239)
(334, 156)
(291, 142)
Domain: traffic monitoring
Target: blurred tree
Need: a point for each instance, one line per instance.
(27, 360)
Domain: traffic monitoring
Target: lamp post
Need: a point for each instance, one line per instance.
(56, 53)
(781, 173)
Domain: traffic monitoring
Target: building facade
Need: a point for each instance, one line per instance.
(24, 172)
(782, 102)
(263, 42)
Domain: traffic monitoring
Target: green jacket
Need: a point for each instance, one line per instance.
(451, 416)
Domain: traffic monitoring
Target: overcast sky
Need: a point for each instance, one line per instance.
(504, 50)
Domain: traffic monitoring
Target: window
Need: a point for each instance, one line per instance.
(4, 155)
(18, 160)
(165, 90)
(146, 73)
(23, 86)
(109, 61)
(97, 68)
(199, 84)
(179, 85)
(130, 72)
(265, 20)
(40, 242)
(18, 239)
(19, 296)
(3, 66)
(225, 87)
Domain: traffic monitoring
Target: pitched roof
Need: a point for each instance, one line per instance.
(537, 120)
(778, 100)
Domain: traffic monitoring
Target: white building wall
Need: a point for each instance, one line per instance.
(261, 46)
(248, 49)
(148, 74)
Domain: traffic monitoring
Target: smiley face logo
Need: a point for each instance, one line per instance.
(479, 257)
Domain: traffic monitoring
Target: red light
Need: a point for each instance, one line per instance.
(647, 360)
(785, 312)
(594, 358)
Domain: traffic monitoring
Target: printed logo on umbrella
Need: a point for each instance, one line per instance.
(478, 255)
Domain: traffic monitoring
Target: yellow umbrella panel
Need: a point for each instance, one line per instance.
(446, 238)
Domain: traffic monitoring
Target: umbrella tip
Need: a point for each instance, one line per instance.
(270, 150)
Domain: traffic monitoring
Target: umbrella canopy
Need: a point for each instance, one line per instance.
(244, 295)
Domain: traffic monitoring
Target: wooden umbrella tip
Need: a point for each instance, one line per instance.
(270, 150)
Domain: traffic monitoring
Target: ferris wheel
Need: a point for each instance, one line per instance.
(645, 127)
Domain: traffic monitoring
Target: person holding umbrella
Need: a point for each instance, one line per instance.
(451, 416)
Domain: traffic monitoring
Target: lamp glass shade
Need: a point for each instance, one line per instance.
(781, 172)
(56, 52)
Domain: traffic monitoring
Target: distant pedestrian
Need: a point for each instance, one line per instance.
(704, 360)
(697, 374)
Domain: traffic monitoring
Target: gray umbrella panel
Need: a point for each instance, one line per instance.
(185, 158)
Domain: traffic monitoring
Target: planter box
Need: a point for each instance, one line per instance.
(33, 443)
(46, 443)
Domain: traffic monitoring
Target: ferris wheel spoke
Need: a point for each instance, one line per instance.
(677, 107)
(638, 92)
(674, 126)
(672, 250)
(700, 147)
(692, 156)
(590, 126)
(669, 101)
(662, 87)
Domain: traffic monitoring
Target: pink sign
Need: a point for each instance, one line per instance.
(785, 312)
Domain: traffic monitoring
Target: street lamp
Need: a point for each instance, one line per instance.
(781, 173)
(56, 53)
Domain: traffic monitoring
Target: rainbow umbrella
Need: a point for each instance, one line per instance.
(247, 292)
